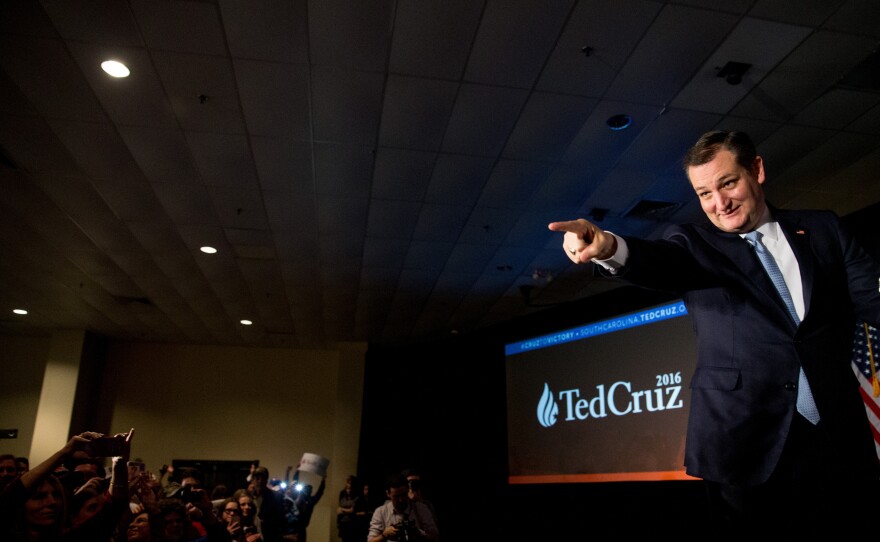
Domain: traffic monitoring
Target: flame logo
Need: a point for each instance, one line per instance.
(547, 408)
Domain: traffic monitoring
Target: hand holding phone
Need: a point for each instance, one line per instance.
(115, 446)
(105, 447)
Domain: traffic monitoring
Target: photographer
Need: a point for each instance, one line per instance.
(400, 518)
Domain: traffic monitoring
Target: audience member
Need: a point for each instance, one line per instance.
(100, 505)
(144, 527)
(346, 520)
(248, 510)
(363, 511)
(270, 507)
(303, 504)
(8, 470)
(22, 464)
(230, 520)
(198, 506)
(175, 524)
(414, 479)
(399, 518)
(168, 480)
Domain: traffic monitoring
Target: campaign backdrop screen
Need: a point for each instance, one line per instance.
(606, 401)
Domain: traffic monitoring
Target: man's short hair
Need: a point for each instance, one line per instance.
(395, 480)
(705, 149)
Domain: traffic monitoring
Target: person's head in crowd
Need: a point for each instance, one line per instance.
(45, 511)
(136, 468)
(90, 468)
(230, 511)
(397, 490)
(246, 504)
(145, 526)
(8, 469)
(352, 484)
(22, 464)
(174, 523)
(87, 500)
(414, 481)
(365, 491)
(220, 491)
(260, 480)
(190, 477)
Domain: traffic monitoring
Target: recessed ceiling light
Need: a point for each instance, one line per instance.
(619, 122)
(115, 69)
(19, 311)
(208, 250)
(246, 322)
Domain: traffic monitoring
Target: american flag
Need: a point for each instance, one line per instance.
(866, 371)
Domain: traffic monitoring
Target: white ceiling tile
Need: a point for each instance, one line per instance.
(402, 174)
(597, 40)
(514, 40)
(350, 35)
(50, 78)
(223, 160)
(747, 44)
(275, 98)
(202, 91)
(432, 39)
(482, 119)
(101, 21)
(346, 105)
(275, 30)
(415, 112)
(665, 57)
(184, 27)
(532, 137)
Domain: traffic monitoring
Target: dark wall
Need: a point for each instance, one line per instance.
(864, 224)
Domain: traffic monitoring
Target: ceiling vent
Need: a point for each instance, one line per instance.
(652, 210)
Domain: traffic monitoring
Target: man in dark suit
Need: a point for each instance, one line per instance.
(270, 507)
(764, 463)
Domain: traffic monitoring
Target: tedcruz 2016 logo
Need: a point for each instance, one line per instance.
(620, 400)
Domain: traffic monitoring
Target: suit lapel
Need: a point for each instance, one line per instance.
(743, 256)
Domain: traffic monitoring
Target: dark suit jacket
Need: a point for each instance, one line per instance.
(272, 516)
(749, 351)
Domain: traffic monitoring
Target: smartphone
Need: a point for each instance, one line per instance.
(106, 446)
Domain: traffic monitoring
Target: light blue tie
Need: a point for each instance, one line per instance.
(805, 403)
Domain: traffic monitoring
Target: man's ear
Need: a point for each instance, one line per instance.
(758, 169)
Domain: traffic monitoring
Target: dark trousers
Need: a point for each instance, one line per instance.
(803, 496)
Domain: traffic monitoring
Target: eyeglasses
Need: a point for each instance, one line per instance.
(8, 469)
(235, 511)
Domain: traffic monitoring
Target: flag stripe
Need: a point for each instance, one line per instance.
(861, 365)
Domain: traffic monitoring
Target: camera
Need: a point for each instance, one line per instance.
(189, 495)
(406, 531)
(106, 447)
